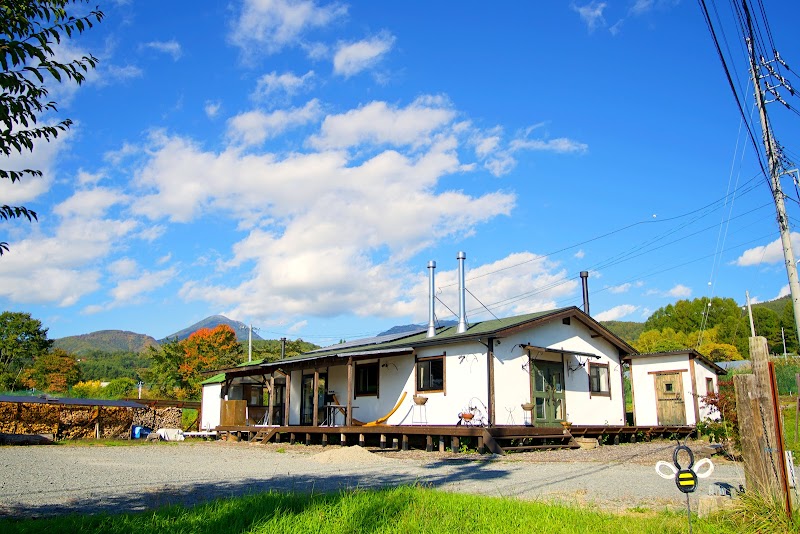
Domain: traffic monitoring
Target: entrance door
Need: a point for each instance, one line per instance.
(307, 399)
(669, 399)
(548, 391)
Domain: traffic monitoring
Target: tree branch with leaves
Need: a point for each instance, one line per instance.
(29, 31)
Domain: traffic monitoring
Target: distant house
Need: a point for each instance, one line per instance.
(668, 387)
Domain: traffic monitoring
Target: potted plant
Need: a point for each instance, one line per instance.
(527, 406)
(420, 400)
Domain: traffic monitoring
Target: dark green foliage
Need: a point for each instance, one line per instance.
(627, 330)
(106, 341)
(22, 339)
(270, 349)
(29, 29)
(785, 371)
(100, 365)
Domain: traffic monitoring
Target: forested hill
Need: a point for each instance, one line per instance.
(627, 330)
(106, 341)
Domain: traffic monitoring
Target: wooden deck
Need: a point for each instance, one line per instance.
(499, 439)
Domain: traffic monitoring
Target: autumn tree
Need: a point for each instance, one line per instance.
(53, 371)
(30, 32)
(22, 340)
(178, 365)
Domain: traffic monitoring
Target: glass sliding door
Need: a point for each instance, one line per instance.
(307, 399)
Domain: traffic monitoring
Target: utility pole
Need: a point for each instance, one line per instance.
(250, 344)
(283, 348)
(775, 169)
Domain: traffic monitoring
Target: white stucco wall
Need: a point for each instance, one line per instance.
(211, 405)
(644, 393)
(512, 382)
(466, 383)
(702, 373)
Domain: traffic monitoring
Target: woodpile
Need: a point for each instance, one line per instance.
(77, 422)
(156, 418)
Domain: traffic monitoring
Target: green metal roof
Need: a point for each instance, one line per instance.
(444, 335)
(216, 379)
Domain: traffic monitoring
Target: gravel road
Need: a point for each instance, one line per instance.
(46, 480)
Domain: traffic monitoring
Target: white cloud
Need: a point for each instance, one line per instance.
(43, 157)
(580, 254)
(622, 288)
(172, 48)
(770, 253)
(642, 6)
(562, 145)
(379, 123)
(352, 58)
(296, 327)
(679, 291)
(89, 203)
(254, 127)
(616, 313)
(270, 25)
(88, 178)
(591, 14)
(132, 289)
(783, 292)
(123, 267)
(212, 108)
(115, 73)
(287, 83)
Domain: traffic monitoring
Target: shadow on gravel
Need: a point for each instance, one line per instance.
(122, 498)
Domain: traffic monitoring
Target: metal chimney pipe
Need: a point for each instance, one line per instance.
(462, 294)
(585, 284)
(432, 295)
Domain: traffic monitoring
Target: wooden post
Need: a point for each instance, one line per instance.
(428, 443)
(349, 421)
(751, 433)
(287, 395)
(315, 402)
(97, 423)
(308, 438)
(361, 440)
(490, 380)
(324, 440)
(383, 441)
(454, 442)
(441, 443)
(759, 430)
(405, 442)
(696, 401)
(343, 439)
(271, 398)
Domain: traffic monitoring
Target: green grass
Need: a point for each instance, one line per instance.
(789, 415)
(406, 510)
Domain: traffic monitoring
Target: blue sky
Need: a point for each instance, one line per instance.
(295, 164)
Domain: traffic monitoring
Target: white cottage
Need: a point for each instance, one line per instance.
(537, 369)
(668, 387)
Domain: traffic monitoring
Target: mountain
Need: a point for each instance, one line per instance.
(241, 329)
(627, 330)
(400, 329)
(106, 341)
(776, 305)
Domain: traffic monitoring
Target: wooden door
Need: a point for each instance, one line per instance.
(669, 399)
(548, 392)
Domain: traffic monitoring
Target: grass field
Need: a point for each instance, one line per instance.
(404, 510)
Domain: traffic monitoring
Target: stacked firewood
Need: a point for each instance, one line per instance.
(156, 418)
(76, 422)
(28, 418)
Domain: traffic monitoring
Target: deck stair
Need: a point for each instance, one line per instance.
(263, 435)
(544, 438)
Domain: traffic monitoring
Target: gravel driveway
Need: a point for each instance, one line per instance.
(47, 480)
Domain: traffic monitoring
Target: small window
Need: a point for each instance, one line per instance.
(709, 385)
(565, 320)
(598, 379)
(430, 374)
(367, 379)
(668, 387)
